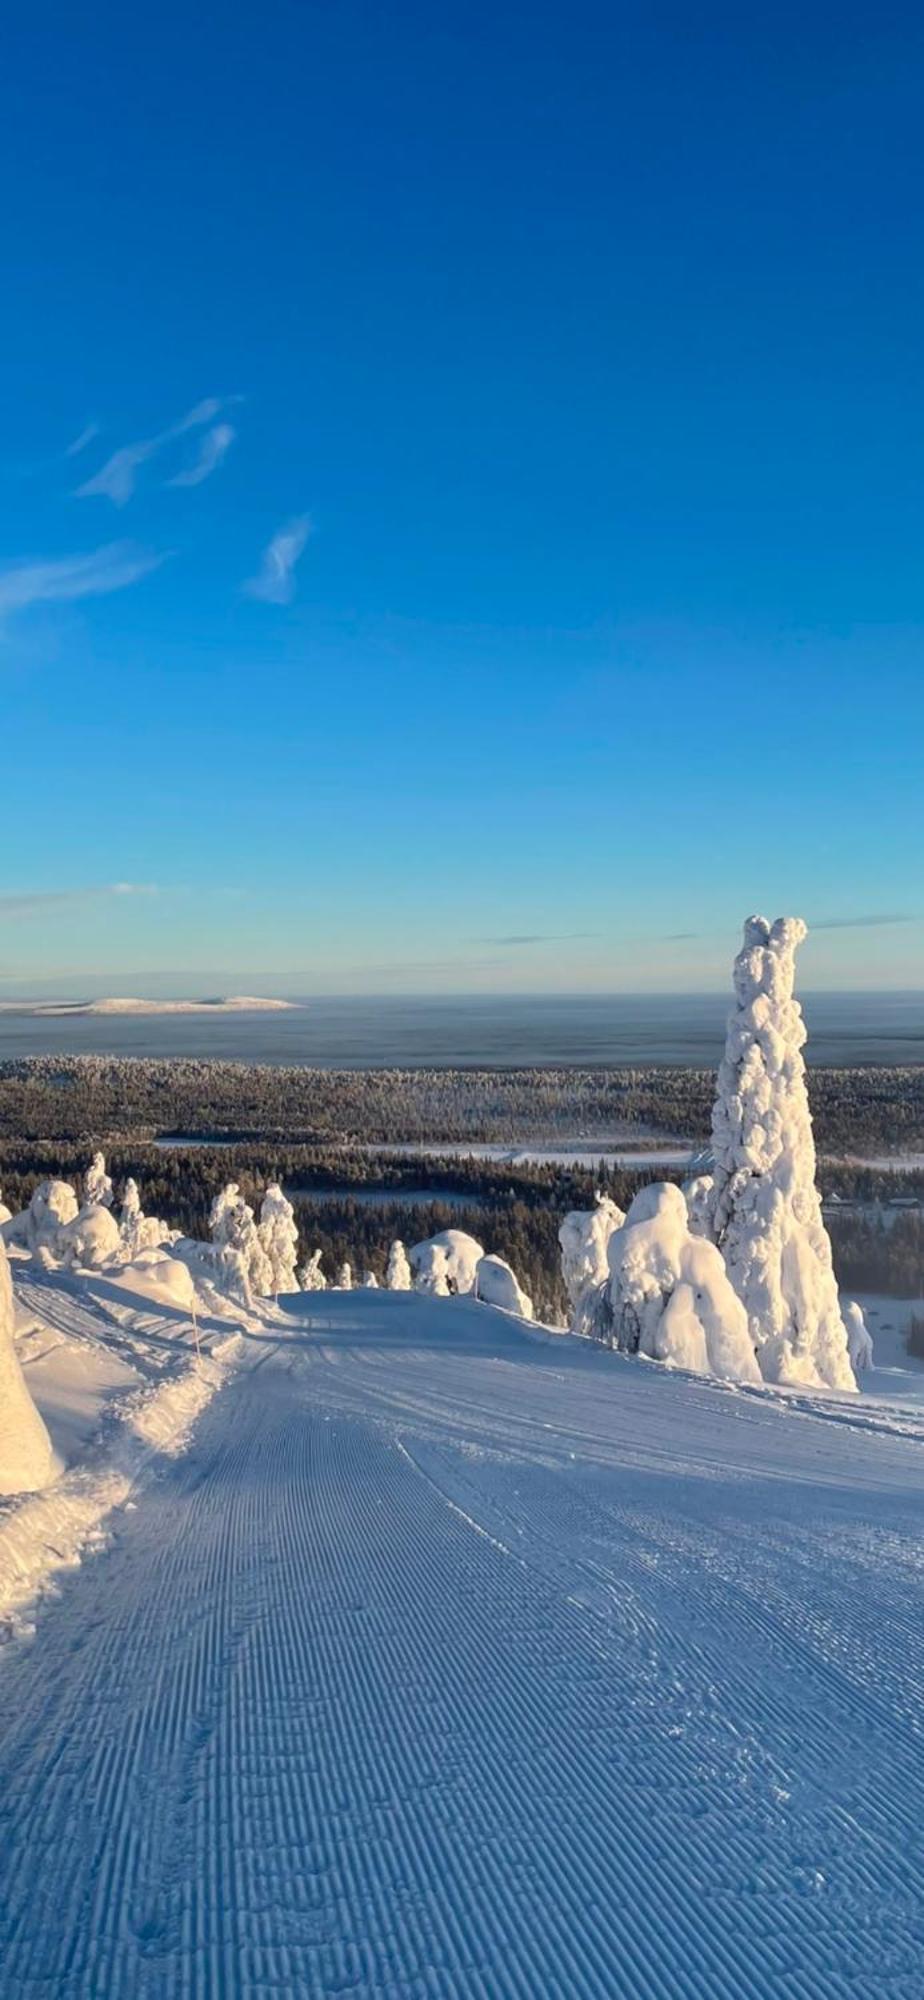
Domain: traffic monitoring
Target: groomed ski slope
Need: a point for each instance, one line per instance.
(457, 1661)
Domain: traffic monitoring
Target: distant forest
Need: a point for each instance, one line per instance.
(102, 1099)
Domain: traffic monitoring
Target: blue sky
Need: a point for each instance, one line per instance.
(574, 354)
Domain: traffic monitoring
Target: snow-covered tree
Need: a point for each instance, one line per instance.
(26, 1457)
(130, 1211)
(584, 1235)
(92, 1238)
(370, 1282)
(312, 1276)
(859, 1338)
(97, 1185)
(237, 1241)
(140, 1232)
(279, 1237)
(764, 1208)
(398, 1273)
(669, 1292)
(344, 1279)
(496, 1285)
(445, 1263)
(38, 1227)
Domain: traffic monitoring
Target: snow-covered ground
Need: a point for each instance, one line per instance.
(454, 1658)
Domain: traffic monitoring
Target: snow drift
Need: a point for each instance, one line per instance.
(27, 1461)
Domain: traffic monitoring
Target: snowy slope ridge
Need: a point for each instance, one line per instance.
(456, 1658)
(72, 1328)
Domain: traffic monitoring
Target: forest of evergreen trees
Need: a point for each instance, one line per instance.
(108, 1098)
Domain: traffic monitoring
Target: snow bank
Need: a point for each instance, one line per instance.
(496, 1285)
(27, 1461)
(50, 1532)
(670, 1295)
(763, 1210)
(445, 1263)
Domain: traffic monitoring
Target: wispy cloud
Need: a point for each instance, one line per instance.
(679, 937)
(214, 447)
(116, 479)
(871, 922)
(84, 437)
(48, 902)
(112, 567)
(539, 937)
(274, 582)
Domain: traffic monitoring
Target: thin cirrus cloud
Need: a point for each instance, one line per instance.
(116, 480)
(214, 448)
(110, 568)
(48, 902)
(539, 937)
(274, 582)
(80, 442)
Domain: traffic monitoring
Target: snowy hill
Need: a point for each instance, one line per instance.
(457, 1657)
(238, 1003)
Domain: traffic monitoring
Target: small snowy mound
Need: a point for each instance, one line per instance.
(27, 1461)
(669, 1292)
(495, 1285)
(445, 1263)
(165, 1280)
(584, 1235)
(92, 1239)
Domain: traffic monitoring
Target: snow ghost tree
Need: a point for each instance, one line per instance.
(344, 1279)
(312, 1276)
(763, 1208)
(496, 1285)
(445, 1263)
(97, 1186)
(237, 1243)
(130, 1215)
(26, 1457)
(370, 1282)
(138, 1231)
(669, 1294)
(279, 1237)
(92, 1239)
(398, 1274)
(859, 1338)
(584, 1235)
(53, 1205)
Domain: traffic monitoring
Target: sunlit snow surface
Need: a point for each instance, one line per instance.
(454, 1659)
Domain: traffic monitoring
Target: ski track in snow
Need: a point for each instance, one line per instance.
(458, 1661)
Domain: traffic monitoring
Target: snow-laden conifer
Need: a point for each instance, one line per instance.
(279, 1237)
(97, 1186)
(764, 1208)
(398, 1274)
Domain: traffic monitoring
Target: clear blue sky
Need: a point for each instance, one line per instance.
(587, 340)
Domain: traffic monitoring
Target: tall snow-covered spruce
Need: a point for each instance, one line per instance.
(279, 1238)
(763, 1210)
